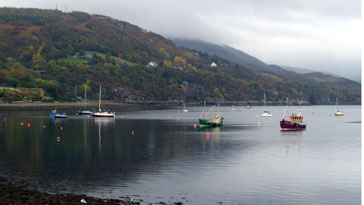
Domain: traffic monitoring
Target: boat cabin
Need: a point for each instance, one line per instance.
(296, 118)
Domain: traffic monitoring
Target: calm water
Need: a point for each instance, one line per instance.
(168, 160)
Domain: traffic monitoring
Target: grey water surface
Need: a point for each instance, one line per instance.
(167, 159)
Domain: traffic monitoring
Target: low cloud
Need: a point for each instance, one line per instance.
(320, 35)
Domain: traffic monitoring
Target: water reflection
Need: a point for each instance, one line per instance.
(237, 163)
(105, 123)
(292, 140)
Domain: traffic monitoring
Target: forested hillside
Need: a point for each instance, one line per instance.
(49, 55)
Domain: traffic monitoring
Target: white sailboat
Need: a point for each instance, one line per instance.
(102, 113)
(338, 112)
(184, 107)
(233, 108)
(266, 113)
(85, 111)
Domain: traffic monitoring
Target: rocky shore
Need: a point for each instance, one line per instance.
(16, 194)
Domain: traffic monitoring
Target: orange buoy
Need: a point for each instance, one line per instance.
(22, 123)
(44, 126)
(194, 126)
(28, 124)
(58, 139)
(61, 128)
(207, 135)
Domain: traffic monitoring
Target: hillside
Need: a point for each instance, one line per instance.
(49, 55)
(302, 76)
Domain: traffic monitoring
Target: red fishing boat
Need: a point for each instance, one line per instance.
(294, 123)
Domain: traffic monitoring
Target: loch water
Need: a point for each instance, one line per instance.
(159, 156)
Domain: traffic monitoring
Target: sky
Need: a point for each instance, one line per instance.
(320, 35)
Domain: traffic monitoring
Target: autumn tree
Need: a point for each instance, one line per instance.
(179, 61)
(38, 61)
(167, 64)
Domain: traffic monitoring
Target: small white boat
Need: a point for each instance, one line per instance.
(102, 113)
(60, 116)
(184, 107)
(85, 111)
(266, 113)
(233, 108)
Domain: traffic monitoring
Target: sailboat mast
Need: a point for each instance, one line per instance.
(100, 100)
(264, 100)
(299, 106)
(203, 114)
(85, 94)
(285, 110)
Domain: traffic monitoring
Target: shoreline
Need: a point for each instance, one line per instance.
(19, 194)
(79, 105)
(17, 106)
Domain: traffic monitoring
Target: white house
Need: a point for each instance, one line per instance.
(152, 64)
(213, 64)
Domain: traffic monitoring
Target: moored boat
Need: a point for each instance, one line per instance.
(85, 111)
(184, 107)
(53, 113)
(338, 112)
(266, 113)
(294, 123)
(60, 116)
(217, 120)
(102, 113)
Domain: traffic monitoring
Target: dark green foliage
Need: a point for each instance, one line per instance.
(80, 16)
(35, 16)
(57, 51)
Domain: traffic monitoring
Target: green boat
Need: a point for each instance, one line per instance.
(216, 121)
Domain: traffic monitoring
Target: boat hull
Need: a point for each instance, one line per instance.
(266, 115)
(103, 115)
(291, 126)
(60, 116)
(206, 123)
(339, 114)
(85, 113)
